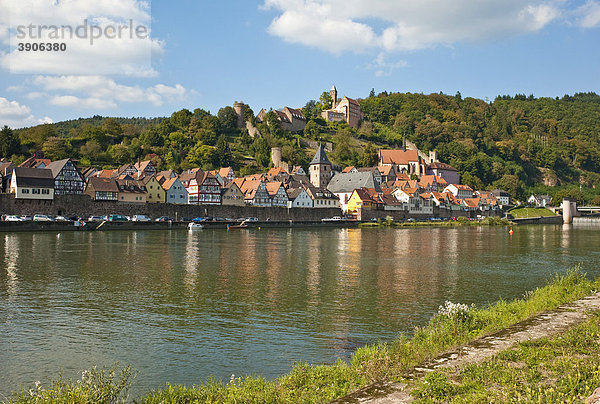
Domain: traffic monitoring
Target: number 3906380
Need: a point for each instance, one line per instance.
(42, 47)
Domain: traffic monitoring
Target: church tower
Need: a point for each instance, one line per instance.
(333, 96)
(320, 169)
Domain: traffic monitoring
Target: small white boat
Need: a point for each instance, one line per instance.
(195, 226)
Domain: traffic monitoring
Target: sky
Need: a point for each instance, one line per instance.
(274, 53)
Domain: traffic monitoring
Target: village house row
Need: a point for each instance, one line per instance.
(404, 180)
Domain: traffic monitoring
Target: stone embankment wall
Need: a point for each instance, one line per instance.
(540, 220)
(368, 214)
(84, 206)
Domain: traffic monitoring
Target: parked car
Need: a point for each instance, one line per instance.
(140, 218)
(13, 218)
(164, 219)
(62, 219)
(42, 218)
(95, 219)
(251, 219)
(27, 218)
(199, 219)
(117, 218)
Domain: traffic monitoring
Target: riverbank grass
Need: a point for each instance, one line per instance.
(453, 325)
(522, 213)
(562, 369)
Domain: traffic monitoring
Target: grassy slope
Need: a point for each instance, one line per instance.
(309, 384)
(521, 213)
(561, 369)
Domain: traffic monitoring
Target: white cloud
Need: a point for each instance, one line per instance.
(383, 67)
(589, 14)
(127, 54)
(85, 103)
(16, 115)
(357, 25)
(100, 92)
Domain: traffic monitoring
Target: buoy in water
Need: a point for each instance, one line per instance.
(510, 231)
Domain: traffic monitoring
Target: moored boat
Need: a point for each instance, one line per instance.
(195, 226)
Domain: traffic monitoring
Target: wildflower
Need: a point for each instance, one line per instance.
(456, 311)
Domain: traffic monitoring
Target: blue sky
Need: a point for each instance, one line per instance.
(272, 53)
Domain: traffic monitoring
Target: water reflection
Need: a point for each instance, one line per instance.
(182, 305)
(11, 257)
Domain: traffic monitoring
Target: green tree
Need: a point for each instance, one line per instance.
(120, 154)
(181, 119)
(111, 127)
(274, 124)
(311, 130)
(227, 120)
(262, 152)
(91, 150)
(56, 148)
(511, 184)
(324, 102)
(37, 135)
(249, 114)
(223, 156)
(96, 134)
(310, 110)
(151, 137)
(372, 93)
(9, 142)
(343, 152)
(203, 156)
(369, 156)
(572, 193)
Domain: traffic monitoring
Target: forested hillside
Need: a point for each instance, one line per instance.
(522, 144)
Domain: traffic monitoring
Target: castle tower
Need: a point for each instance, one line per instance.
(333, 96)
(276, 157)
(433, 157)
(320, 169)
(239, 108)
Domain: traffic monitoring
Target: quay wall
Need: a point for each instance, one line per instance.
(84, 206)
(540, 220)
(368, 214)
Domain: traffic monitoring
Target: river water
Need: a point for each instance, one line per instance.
(180, 306)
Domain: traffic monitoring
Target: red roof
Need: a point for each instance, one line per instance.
(273, 187)
(398, 157)
(471, 202)
(385, 170)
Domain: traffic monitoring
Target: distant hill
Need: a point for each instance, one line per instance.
(62, 128)
(519, 143)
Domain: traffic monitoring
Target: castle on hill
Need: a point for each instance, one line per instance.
(343, 110)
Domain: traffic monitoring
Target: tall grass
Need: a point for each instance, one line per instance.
(453, 325)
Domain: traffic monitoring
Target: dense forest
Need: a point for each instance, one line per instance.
(522, 144)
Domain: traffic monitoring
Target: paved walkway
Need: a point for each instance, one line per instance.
(543, 325)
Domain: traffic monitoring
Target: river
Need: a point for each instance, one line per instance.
(180, 306)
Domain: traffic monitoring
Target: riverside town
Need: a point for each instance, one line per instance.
(299, 202)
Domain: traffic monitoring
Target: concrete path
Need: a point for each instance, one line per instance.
(546, 324)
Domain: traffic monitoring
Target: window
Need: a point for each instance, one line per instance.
(45, 191)
(35, 191)
(24, 191)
